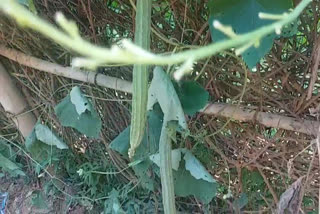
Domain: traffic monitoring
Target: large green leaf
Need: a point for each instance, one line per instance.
(163, 92)
(192, 96)
(192, 164)
(148, 146)
(150, 142)
(76, 111)
(42, 142)
(176, 158)
(47, 136)
(80, 102)
(187, 185)
(190, 178)
(243, 17)
(196, 169)
(112, 205)
(9, 166)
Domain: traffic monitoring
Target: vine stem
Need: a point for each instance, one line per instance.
(168, 199)
(130, 53)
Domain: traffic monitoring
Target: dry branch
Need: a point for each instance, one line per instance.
(314, 67)
(221, 110)
(244, 114)
(69, 72)
(14, 104)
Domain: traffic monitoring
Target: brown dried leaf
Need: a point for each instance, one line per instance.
(290, 199)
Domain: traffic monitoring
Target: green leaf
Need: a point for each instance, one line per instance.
(38, 200)
(240, 202)
(29, 4)
(192, 164)
(112, 205)
(76, 111)
(252, 181)
(8, 160)
(148, 146)
(46, 135)
(9, 166)
(196, 169)
(150, 141)
(192, 96)
(7, 151)
(243, 17)
(176, 158)
(80, 102)
(34, 146)
(187, 185)
(42, 142)
(162, 91)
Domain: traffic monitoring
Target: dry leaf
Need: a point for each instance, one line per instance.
(290, 199)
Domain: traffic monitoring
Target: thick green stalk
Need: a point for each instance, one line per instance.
(168, 199)
(140, 76)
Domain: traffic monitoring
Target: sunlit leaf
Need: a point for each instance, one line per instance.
(47, 136)
(242, 16)
(163, 92)
(43, 142)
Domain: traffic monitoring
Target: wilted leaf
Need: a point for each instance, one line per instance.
(291, 198)
(246, 13)
(192, 96)
(196, 169)
(76, 111)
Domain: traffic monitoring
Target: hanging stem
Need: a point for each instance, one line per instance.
(140, 76)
